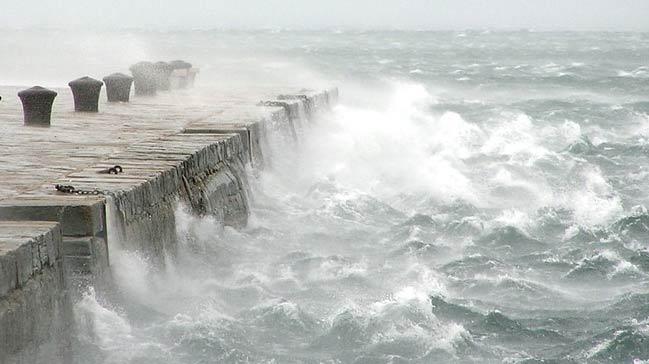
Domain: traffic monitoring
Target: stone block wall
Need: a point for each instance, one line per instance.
(35, 309)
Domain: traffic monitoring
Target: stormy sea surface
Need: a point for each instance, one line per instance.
(476, 197)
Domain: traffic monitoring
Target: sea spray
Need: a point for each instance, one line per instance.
(485, 209)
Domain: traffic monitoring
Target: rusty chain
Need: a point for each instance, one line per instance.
(69, 189)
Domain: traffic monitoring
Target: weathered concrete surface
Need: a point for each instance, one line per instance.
(188, 147)
(78, 215)
(34, 158)
(35, 310)
(204, 170)
(80, 145)
(81, 219)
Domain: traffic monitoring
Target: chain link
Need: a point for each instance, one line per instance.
(293, 97)
(273, 103)
(69, 189)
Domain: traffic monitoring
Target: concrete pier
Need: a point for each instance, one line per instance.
(188, 147)
(35, 307)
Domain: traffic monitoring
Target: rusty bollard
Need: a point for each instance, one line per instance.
(37, 105)
(144, 77)
(180, 74)
(163, 72)
(118, 87)
(86, 92)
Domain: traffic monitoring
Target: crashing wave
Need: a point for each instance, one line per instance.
(582, 146)
(604, 265)
(634, 227)
(623, 345)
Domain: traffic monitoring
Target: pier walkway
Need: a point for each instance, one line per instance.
(191, 146)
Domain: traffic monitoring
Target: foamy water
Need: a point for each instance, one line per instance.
(475, 197)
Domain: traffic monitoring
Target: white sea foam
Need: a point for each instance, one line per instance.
(515, 136)
(516, 218)
(593, 200)
(328, 211)
(400, 148)
(102, 325)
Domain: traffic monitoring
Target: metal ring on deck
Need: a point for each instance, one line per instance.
(65, 188)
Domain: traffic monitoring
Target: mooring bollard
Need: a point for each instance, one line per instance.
(86, 92)
(191, 77)
(163, 72)
(118, 87)
(37, 105)
(180, 74)
(144, 77)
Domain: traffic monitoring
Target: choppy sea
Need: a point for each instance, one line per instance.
(475, 197)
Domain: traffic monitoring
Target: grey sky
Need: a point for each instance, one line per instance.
(402, 14)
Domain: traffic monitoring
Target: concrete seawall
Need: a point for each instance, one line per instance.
(172, 148)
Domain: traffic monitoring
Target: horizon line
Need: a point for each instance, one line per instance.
(325, 29)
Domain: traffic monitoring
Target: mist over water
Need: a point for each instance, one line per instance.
(475, 197)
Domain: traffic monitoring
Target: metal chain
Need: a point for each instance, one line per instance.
(284, 98)
(273, 103)
(293, 97)
(69, 189)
